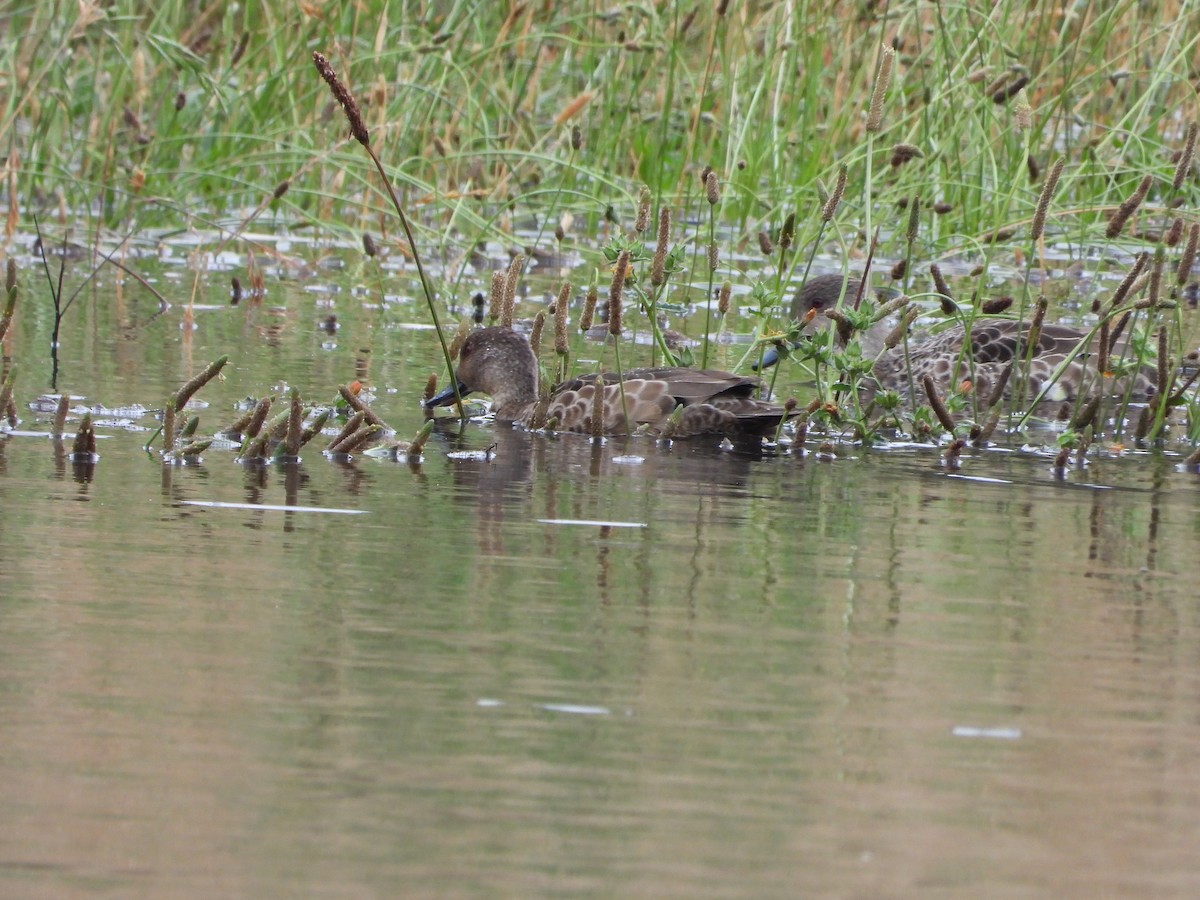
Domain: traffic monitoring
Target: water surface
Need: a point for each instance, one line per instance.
(762, 675)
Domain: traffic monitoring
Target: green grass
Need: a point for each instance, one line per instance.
(148, 114)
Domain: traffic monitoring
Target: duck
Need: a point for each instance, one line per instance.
(1061, 366)
(500, 362)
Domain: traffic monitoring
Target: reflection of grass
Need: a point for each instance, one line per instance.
(492, 112)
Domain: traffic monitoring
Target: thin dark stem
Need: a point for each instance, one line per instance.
(437, 325)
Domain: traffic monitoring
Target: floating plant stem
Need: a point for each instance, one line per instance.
(191, 387)
(10, 289)
(348, 429)
(357, 405)
(314, 428)
(295, 426)
(60, 416)
(359, 130)
(6, 392)
(356, 440)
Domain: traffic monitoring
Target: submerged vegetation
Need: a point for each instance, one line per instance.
(702, 160)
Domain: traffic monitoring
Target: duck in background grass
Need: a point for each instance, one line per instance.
(1063, 362)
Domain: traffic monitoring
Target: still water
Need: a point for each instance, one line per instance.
(567, 669)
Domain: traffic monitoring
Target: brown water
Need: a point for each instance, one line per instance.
(763, 676)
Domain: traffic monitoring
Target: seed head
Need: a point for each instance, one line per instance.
(835, 199)
(658, 274)
(349, 105)
(1185, 158)
(882, 80)
(712, 189)
(1039, 216)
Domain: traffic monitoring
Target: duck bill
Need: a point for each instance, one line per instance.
(445, 397)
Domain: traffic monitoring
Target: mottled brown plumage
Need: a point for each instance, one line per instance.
(949, 357)
(500, 362)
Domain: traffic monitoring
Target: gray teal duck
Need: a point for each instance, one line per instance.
(981, 353)
(501, 363)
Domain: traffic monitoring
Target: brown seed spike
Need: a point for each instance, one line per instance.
(615, 294)
(658, 272)
(829, 209)
(723, 298)
(1174, 233)
(535, 334)
(560, 319)
(787, 233)
(1184, 271)
(712, 188)
(939, 282)
(1010, 90)
(642, 222)
(1117, 223)
(1185, 158)
(937, 405)
(589, 310)
(349, 105)
(765, 244)
(882, 80)
(1043, 207)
